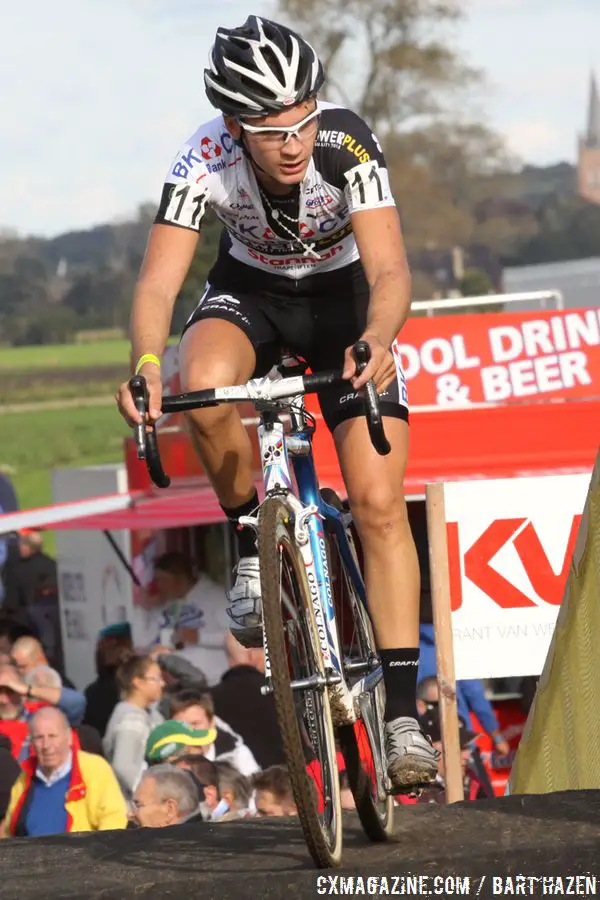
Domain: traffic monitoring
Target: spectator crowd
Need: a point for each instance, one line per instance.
(146, 744)
(178, 731)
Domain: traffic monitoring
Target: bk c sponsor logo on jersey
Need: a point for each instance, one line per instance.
(185, 163)
(227, 142)
(209, 149)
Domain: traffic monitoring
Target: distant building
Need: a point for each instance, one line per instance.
(588, 167)
(578, 280)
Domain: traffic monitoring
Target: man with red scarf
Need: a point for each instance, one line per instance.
(62, 788)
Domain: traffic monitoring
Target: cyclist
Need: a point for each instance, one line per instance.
(311, 258)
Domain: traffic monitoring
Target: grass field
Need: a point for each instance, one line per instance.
(67, 356)
(35, 443)
(64, 356)
(62, 372)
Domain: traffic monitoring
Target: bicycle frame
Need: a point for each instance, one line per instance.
(286, 455)
(277, 450)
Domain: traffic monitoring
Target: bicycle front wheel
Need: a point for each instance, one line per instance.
(294, 652)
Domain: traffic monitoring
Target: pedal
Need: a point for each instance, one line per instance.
(414, 791)
(341, 702)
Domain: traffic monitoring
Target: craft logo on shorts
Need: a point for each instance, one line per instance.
(209, 149)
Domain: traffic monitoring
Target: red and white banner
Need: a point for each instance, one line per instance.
(501, 357)
(510, 544)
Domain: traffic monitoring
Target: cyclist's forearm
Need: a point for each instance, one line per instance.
(389, 305)
(150, 325)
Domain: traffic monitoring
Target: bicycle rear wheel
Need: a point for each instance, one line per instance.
(294, 652)
(362, 743)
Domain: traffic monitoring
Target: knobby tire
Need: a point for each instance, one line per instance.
(276, 541)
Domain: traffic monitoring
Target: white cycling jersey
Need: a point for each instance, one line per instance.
(347, 174)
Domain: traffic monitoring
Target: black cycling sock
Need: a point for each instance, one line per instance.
(246, 540)
(400, 669)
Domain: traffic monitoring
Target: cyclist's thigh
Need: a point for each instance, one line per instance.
(225, 341)
(338, 323)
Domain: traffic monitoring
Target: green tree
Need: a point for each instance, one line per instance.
(396, 64)
(475, 283)
(569, 228)
(406, 61)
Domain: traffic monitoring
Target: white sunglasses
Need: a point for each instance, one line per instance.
(281, 134)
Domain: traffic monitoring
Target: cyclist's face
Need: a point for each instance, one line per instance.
(283, 158)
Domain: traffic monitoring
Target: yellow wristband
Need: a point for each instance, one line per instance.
(147, 357)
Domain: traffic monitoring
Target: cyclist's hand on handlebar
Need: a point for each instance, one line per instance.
(125, 401)
(381, 367)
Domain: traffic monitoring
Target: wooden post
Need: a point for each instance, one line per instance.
(442, 626)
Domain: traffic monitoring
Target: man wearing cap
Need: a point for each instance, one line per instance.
(170, 740)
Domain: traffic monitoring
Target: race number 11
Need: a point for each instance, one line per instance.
(368, 185)
(186, 208)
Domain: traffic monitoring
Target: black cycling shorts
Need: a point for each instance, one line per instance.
(317, 328)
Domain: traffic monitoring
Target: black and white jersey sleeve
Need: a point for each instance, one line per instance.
(348, 151)
(187, 189)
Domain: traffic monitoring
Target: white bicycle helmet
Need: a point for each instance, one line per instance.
(259, 68)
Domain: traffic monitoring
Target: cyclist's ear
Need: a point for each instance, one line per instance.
(233, 127)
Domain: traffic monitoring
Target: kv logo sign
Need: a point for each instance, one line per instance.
(477, 563)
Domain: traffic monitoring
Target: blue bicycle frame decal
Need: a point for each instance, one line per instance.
(277, 478)
(308, 492)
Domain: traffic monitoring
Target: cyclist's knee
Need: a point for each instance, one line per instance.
(199, 377)
(215, 353)
(379, 511)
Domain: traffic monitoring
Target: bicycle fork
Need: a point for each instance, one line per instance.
(276, 448)
(310, 537)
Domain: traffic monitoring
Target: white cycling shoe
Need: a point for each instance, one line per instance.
(245, 611)
(412, 761)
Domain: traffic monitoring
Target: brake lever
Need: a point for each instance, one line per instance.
(362, 355)
(146, 440)
(141, 399)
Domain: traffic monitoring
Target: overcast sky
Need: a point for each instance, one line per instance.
(97, 95)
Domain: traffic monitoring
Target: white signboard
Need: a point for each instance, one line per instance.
(94, 587)
(510, 543)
